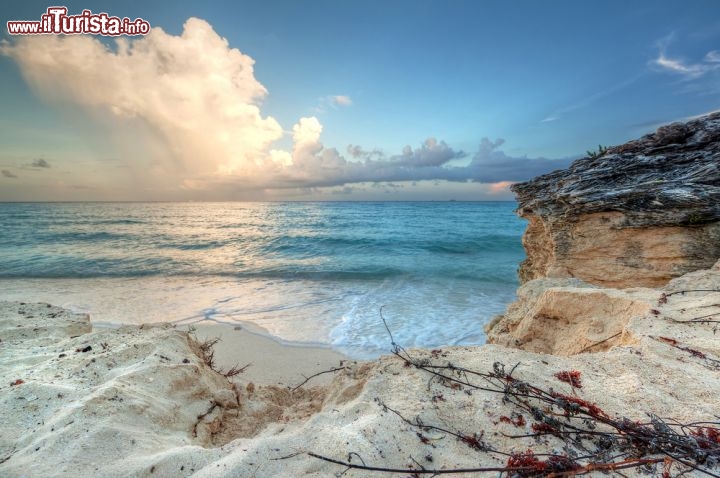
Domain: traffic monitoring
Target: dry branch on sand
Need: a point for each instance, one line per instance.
(591, 439)
(713, 318)
(207, 355)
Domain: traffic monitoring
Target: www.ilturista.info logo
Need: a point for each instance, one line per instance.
(57, 22)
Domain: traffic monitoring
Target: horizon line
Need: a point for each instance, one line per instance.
(261, 201)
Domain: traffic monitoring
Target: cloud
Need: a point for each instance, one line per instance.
(590, 99)
(500, 187)
(342, 100)
(190, 101)
(40, 163)
(332, 102)
(313, 165)
(8, 174)
(491, 165)
(663, 63)
(677, 66)
(357, 151)
(687, 70)
(344, 191)
(431, 153)
(183, 114)
(712, 56)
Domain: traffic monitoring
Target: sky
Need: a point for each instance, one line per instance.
(341, 100)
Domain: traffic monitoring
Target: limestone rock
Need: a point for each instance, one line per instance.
(638, 214)
(568, 317)
(554, 318)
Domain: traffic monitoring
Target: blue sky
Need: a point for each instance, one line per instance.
(412, 86)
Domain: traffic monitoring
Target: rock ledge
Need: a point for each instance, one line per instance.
(638, 214)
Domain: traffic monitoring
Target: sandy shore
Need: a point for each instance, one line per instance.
(141, 401)
(271, 362)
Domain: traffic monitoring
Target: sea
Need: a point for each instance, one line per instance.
(305, 273)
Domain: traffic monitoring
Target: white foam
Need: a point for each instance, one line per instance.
(344, 314)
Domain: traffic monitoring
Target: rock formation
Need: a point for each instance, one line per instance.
(637, 214)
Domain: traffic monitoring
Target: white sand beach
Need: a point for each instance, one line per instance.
(139, 401)
(270, 362)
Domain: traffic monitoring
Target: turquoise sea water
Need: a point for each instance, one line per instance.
(305, 272)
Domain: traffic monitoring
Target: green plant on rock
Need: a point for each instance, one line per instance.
(596, 154)
(695, 218)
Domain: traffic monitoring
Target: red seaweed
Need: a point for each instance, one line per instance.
(570, 376)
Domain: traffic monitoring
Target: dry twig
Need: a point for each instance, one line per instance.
(593, 440)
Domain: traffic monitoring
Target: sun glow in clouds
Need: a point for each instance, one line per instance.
(193, 93)
(500, 187)
(183, 115)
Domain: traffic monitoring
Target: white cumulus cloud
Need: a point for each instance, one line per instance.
(193, 93)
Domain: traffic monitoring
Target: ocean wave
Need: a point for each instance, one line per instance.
(79, 269)
(315, 241)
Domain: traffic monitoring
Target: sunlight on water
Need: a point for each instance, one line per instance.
(305, 272)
